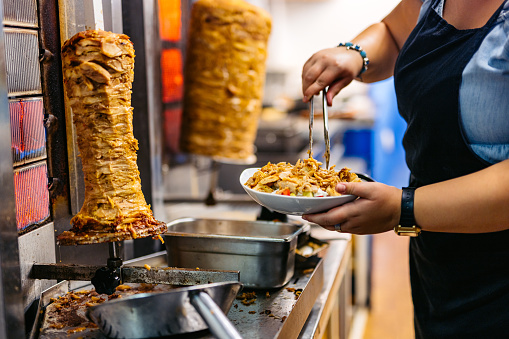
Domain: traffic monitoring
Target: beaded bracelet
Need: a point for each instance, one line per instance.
(352, 46)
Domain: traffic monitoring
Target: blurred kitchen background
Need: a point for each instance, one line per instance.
(365, 127)
(365, 133)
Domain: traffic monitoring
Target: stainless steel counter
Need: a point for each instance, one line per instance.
(332, 310)
(303, 308)
(272, 313)
(279, 314)
(309, 316)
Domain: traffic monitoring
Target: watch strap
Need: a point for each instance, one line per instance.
(407, 224)
(407, 218)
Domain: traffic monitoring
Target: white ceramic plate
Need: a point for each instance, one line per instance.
(292, 205)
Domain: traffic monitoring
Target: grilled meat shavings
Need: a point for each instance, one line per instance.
(98, 73)
(66, 314)
(224, 78)
(306, 178)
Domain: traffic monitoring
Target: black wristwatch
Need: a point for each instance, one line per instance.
(407, 225)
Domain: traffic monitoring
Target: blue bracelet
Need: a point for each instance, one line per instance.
(352, 46)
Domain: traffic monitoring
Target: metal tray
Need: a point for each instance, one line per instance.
(263, 251)
(178, 311)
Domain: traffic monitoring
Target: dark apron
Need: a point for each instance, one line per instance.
(460, 282)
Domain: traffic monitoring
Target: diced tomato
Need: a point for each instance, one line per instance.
(285, 191)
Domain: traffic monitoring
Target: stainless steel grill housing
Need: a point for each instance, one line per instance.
(22, 62)
(20, 13)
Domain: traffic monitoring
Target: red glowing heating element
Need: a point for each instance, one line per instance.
(172, 120)
(170, 23)
(32, 196)
(28, 144)
(28, 137)
(172, 79)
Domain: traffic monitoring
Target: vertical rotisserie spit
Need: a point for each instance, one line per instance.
(223, 78)
(98, 75)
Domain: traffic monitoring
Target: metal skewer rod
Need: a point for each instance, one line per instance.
(326, 128)
(210, 200)
(113, 248)
(311, 120)
(114, 262)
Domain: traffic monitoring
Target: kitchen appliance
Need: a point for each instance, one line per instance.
(276, 141)
(42, 182)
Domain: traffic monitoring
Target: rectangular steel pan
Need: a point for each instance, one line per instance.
(263, 251)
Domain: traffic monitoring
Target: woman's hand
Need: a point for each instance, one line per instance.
(333, 67)
(377, 210)
(382, 41)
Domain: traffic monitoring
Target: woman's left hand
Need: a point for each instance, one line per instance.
(377, 210)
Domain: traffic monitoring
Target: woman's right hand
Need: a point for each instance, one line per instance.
(337, 67)
(333, 67)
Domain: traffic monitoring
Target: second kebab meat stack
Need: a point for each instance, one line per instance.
(224, 78)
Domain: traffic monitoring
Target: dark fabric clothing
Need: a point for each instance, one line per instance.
(460, 282)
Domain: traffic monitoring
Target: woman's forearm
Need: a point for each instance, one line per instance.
(382, 41)
(475, 203)
(381, 50)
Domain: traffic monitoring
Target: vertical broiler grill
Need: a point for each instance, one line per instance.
(105, 279)
(42, 184)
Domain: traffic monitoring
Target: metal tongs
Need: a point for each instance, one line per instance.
(325, 127)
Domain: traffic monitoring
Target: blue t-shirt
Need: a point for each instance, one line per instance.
(484, 91)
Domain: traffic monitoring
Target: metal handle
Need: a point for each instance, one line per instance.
(326, 128)
(217, 321)
(365, 177)
(211, 200)
(311, 119)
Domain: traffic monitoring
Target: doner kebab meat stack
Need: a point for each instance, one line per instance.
(224, 78)
(98, 75)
